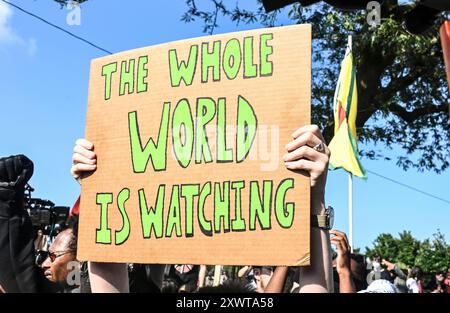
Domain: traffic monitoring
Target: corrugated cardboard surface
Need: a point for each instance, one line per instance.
(282, 99)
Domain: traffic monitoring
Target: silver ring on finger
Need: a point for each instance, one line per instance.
(320, 147)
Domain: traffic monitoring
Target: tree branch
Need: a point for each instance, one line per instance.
(411, 116)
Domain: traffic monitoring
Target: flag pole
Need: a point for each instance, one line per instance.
(350, 210)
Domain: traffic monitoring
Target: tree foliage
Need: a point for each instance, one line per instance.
(430, 255)
(402, 88)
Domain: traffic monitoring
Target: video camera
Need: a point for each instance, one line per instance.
(44, 214)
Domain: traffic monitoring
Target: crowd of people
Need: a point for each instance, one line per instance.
(30, 261)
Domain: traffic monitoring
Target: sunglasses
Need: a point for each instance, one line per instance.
(54, 255)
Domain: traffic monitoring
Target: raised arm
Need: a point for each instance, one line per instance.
(276, 283)
(346, 284)
(104, 277)
(201, 276)
(308, 154)
(18, 272)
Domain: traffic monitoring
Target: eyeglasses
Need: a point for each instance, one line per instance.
(54, 255)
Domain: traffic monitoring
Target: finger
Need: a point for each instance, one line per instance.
(337, 232)
(78, 158)
(73, 171)
(338, 243)
(302, 164)
(334, 231)
(84, 152)
(341, 234)
(85, 143)
(308, 138)
(81, 168)
(336, 237)
(308, 128)
(303, 152)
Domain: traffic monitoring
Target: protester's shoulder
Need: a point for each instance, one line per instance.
(411, 281)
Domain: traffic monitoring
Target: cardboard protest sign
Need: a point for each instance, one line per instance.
(189, 138)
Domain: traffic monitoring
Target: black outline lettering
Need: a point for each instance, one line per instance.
(253, 65)
(262, 205)
(189, 235)
(183, 62)
(179, 216)
(208, 67)
(185, 133)
(110, 83)
(152, 226)
(222, 200)
(284, 206)
(236, 219)
(234, 59)
(150, 140)
(202, 156)
(246, 132)
(205, 232)
(122, 214)
(267, 57)
(106, 226)
(225, 132)
(145, 76)
(127, 70)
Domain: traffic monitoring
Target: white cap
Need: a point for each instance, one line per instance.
(380, 286)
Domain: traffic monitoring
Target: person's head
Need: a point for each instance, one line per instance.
(358, 270)
(376, 262)
(415, 273)
(61, 253)
(377, 258)
(440, 277)
(380, 286)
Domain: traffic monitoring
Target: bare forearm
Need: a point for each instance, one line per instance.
(276, 283)
(318, 277)
(201, 276)
(108, 277)
(346, 284)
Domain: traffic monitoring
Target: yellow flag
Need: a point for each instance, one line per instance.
(343, 146)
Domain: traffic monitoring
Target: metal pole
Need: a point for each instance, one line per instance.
(350, 210)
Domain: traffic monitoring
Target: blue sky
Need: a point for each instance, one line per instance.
(43, 96)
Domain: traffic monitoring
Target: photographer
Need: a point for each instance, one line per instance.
(377, 272)
(18, 271)
(16, 239)
(397, 275)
